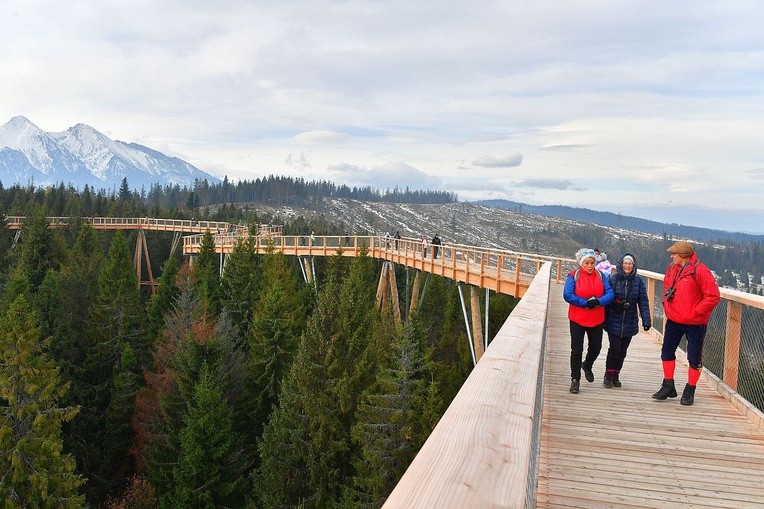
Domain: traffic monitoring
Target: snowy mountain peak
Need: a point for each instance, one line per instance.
(83, 155)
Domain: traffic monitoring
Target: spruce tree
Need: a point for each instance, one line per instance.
(36, 473)
(394, 419)
(209, 468)
(334, 365)
(189, 343)
(240, 283)
(278, 319)
(207, 272)
(304, 440)
(162, 301)
(115, 357)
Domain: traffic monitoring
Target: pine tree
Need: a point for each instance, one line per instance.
(114, 359)
(209, 467)
(277, 322)
(319, 397)
(304, 439)
(37, 247)
(162, 301)
(188, 342)
(394, 419)
(207, 272)
(240, 284)
(36, 473)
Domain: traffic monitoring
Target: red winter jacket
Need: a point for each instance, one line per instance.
(695, 293)
(577, 292)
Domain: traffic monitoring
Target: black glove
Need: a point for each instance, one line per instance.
(646, 327)
(592, 303)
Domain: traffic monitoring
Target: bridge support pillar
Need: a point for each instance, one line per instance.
(387, 291)
(477, 326)
(142, 248)
(467, 324)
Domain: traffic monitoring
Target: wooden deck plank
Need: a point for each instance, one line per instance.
(620, 448)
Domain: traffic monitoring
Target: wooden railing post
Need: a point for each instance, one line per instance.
(732, 344)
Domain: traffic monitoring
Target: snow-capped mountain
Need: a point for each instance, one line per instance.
(82, 155)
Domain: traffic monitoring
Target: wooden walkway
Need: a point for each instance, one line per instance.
(620, 448)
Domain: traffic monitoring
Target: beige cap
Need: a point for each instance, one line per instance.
(681, 248)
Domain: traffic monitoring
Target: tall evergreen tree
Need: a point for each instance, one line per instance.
(209, 471)
(163, 300)
(319, 397)
(189, 342)
(37, 247)
(394, 419)
(207, 272)
(240, 284)
(278, 319)
(304, 439)
(35, 471)
(111, 376)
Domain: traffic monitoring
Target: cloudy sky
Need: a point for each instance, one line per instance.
(646, 108)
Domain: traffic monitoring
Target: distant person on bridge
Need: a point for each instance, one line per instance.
(424, 247)
(690, 294)
(347, 238)
(397, 238)
(604, 265)
(622, 320)
(588, 292)
(435, 246)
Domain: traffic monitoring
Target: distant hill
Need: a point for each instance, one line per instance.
(670, 230)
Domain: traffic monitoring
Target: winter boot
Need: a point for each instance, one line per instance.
(688, 395)
(588, 373)
(608, 380)
(574, 385)
(667, 390)
(616, 380)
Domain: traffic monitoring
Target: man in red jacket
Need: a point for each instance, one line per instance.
(690, 294)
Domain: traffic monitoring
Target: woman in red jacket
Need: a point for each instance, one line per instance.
(690, 294)
(588, 292)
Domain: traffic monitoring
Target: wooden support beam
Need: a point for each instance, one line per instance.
(477, 325)
(415, 293)
(381, 286)
(732, 344)
(142, 249)
(392, 283)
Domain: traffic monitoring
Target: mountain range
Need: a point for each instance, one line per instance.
(81, 155)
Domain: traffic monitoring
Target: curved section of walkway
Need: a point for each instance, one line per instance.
(620, 448)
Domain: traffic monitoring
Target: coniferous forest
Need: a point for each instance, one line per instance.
(246, 389)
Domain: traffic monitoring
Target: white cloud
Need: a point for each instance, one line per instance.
(623, 98)
(319, 137)
(389, 175)
(500, 161)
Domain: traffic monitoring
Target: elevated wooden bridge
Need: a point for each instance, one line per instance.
(515, 437)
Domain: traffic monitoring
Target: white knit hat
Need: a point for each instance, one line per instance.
(583, 254)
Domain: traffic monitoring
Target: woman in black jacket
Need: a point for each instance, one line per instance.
(622, 322)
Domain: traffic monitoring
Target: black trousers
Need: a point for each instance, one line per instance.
(616, 353)
(594, 334)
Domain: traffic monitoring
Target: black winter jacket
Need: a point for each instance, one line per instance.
(630, 293)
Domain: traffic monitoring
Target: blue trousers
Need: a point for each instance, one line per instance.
(695, 335)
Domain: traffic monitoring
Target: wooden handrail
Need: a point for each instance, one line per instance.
(479, 454)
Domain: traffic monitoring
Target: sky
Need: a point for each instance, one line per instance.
(646, 108)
